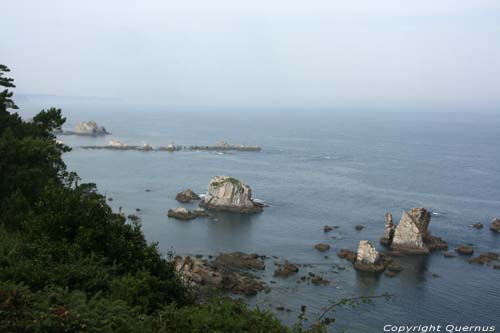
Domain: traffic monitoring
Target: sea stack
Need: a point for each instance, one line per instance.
(412, 234)
(368, 259)
(90, 128)
(229, 194)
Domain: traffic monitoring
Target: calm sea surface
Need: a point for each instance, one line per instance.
(316, 168)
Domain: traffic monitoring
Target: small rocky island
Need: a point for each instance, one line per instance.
(230, 194)
(87, 128)
(412, 235)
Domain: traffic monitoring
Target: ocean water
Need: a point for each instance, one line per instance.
(316, 168)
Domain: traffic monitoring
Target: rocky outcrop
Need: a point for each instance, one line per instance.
(367, 253)
(182, 213)
(408, 237)
(389, 230)
(187, 196)
(412, 235)
(206, 276)
(368, 259)
(495, 225)
(90, 128)
(286, 270)
(230, 194)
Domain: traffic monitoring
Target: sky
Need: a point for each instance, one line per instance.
(442, 54)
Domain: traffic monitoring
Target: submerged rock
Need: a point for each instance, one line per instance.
(495, 225)
(465, 250)
(286, 270)
(321, 247)
(347, 254)
(319, 281)
(477, 225)
(89, 128)
(485, 258)
(327, 228)
(230, 194)
(187, 196)
(359, 227)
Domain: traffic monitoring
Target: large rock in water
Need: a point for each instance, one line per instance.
(187, 196)
(89, 128)
(230, 194)
(409, 235)
(367, 253)
(495, 225)
(368, 258)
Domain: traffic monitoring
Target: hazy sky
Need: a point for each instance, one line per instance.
(258, 53)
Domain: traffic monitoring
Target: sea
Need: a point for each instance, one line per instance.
(317, 167)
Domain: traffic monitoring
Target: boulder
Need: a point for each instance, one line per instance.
(89, 128)
(200, 212)
(187, 196)
(359, 227)
(495, 225)
(286, 270)
(230, 194)
(409, 236)
(321, 247)
(465, 250)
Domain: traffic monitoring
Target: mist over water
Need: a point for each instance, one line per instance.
(316, 168)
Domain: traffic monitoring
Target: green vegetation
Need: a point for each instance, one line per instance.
(68, 263)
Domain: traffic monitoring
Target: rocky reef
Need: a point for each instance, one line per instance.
(229, 272)
(230, 194)
(182, 213)
(412, 235)
(187, 196)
